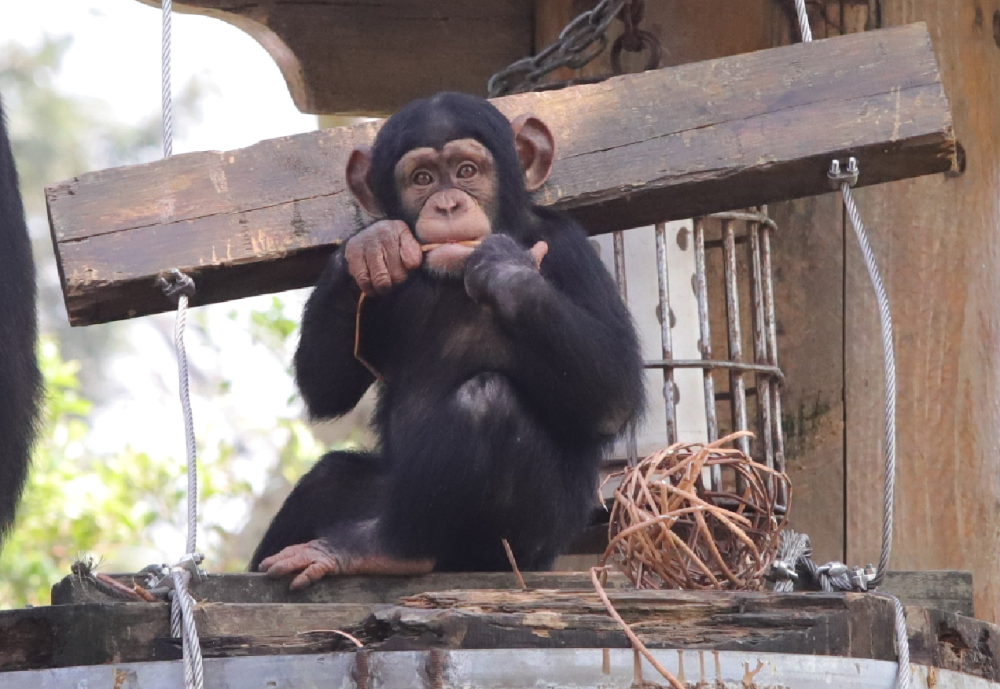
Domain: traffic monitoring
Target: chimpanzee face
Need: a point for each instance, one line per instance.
(455, 170)
(448, 196)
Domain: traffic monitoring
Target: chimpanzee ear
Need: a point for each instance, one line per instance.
(358, 166)
(536, 148)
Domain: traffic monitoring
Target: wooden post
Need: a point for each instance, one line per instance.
(938, 242)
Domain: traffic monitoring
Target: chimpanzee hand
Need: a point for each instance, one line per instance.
(496, 263)
(381, 255)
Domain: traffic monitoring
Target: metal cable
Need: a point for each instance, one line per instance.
(902, 643)
(192, 451)
(182, 606)
(889, 363)
(889, 357)
(804, 27)
(167, 97)
(194, 667)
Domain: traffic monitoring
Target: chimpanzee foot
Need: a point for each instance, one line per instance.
(314, 560)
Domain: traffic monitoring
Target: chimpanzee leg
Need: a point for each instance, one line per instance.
(480, 470)
(329, 524)
(333, 500)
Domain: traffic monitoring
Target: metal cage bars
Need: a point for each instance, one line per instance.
(748, 317)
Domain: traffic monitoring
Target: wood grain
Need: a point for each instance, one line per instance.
(734, 131)
(938, 243)
(370, 58)
(950, 591)
(849, 625)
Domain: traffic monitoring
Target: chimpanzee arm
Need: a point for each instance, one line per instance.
(329, 377)
(577, 356)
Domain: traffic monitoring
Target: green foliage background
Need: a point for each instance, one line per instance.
(125, 509)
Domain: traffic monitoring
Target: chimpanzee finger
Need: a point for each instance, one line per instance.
(377, 268)
(312, 573)
(391, 253)
(354, 254)
(409, 250)
(538, 252)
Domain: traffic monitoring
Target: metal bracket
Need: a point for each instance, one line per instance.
(159, 578)
(174, 284)
(850, 175)
(832, 569)
(782, 570)
(862, 577)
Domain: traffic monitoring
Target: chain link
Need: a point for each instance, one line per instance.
(579, 44)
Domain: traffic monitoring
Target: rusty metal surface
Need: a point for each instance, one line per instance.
(666, 340)
(501, 668)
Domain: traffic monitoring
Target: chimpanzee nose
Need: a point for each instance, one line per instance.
(448, 202)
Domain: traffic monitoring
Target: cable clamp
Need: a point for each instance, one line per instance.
(832, 569)
(848, 176)
(175, 284)
(782, 570)
(862, 577)
(159, 579)
(190, 562)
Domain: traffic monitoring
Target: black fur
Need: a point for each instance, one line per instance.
(496, 407)
(20, 379)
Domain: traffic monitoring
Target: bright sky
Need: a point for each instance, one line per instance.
(115, 57)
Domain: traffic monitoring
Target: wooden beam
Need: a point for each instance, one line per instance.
(636, 149)
(332, 52)
(948, 591)
(841, 624)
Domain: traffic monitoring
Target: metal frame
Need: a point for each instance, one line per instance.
(508, 668)
(752, 229)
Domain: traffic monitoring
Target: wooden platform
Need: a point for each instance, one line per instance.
(481, 611)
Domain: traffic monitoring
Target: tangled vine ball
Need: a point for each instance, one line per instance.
(669, 530)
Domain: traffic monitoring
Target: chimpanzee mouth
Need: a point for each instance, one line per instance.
(448, 259)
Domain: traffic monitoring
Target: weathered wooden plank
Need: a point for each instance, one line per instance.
(953, 642)
(258, 588)
(332, 52)
(95, 633)
(850, 625)
(950, 591)
(636, 149)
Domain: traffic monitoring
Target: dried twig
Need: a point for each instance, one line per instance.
(636, 643)
(513, 565)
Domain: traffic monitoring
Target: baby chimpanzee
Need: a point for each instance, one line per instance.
(507, 359)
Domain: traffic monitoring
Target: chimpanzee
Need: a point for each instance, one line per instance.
(507, 359)
(20, 380)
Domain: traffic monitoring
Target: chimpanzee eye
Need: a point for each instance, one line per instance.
(422, 178)
(466, 170)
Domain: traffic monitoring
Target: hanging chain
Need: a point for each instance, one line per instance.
(634, 39)
(579, 44)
